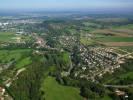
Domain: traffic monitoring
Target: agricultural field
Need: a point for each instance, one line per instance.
(114, 37)
(107, 20)
(129, 26)
(113, 32)
(54, 91)
(10, 37)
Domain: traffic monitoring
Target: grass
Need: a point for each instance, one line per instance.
(21, 60)
(115, 39)
(106, 20)
(73, 31)
(121, 76)
(106, 97)
(129, 74)
(129, 26)
(128, 49)
(24, 62)
(54, 91)
(91, 24)
(86, 41)
(7, 37)
(6, 56)
(66, 57)
(10, 37)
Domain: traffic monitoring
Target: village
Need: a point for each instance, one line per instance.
(87, 58)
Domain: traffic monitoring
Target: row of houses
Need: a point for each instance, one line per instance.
(96, 61)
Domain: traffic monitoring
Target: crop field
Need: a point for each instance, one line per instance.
(115, 39)
(91, 24)
(129, 26)
(10, 37)
(114, 32)
(55, 91)
(106, 20)
(118, 44)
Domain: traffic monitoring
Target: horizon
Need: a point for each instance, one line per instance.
(81, 11)
(63, 5)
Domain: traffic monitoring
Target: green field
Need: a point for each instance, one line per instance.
(129, 74)
(10, 37)
(18, 55)
(66, 57)
(54, 91)
(128, 49)
(91, 24)
(106, 97)
(121, 76)
(129, 26)
(86, 41)
(7, 37)
(115, 39)
(24, 62)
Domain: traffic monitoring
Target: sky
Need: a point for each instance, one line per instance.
(66, 4)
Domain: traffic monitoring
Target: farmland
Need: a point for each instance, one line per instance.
(115, 39)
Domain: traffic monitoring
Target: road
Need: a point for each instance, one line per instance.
(10, 80)
(119, 86)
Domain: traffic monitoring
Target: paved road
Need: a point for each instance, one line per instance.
(119, 86)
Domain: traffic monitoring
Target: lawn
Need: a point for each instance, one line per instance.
(54, 91)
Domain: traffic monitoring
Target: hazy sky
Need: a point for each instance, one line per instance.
(66, 4)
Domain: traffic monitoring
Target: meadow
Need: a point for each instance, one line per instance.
(7, 37)
(20, 57)
(54, 91)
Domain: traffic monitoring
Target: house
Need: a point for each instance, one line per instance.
(2, 91)
(120, 93)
